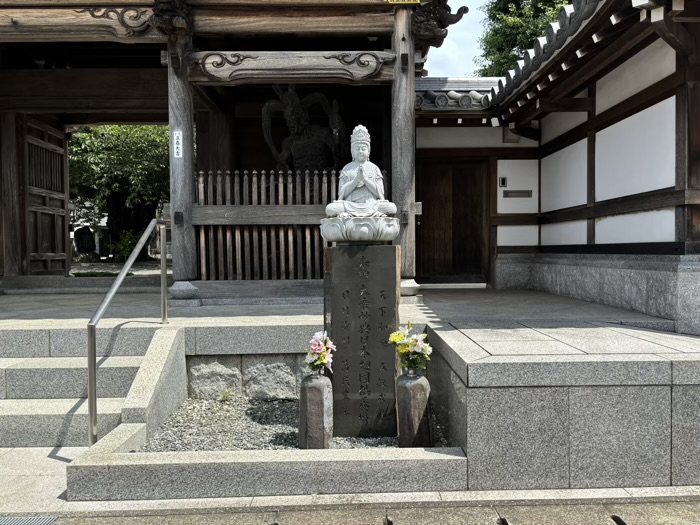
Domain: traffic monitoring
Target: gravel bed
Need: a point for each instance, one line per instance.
(240, 424)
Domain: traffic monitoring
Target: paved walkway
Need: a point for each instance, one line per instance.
(504, 323)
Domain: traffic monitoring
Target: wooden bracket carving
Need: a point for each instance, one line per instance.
(225, 68)
(135, 20)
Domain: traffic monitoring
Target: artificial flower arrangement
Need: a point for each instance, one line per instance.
(412, 349)
(320, 353)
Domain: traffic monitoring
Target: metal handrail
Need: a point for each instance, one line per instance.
(92, 324)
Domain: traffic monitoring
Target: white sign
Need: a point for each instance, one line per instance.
(177, 144)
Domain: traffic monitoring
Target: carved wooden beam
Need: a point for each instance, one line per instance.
(260, 22)
(130, 24)
(565, 105)
(674, 34)
(310, 67)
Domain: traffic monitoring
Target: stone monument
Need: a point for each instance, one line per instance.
(361, 281)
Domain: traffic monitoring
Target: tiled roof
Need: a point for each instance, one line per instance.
(568, 23)
(453, 94)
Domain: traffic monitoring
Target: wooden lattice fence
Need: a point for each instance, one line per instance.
(261, 225)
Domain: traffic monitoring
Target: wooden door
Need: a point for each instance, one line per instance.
(46, 199)
(452, 233)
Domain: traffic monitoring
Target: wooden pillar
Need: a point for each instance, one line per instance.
(181, 119)
(10, 205)
(403, 148)
(688, 146)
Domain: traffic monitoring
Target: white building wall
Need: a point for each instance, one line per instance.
(556, 124)
(564, 176)
(651, 64)
(467, 137)
(637, 154)
(517, 235)
(521, 175)
(571, 232)
(648, 226)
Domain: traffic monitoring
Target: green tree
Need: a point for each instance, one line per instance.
(121, 172)
(511, 27)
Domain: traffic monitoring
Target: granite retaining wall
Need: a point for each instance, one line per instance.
(568, 421)
(665, 286)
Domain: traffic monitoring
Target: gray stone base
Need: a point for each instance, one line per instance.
(666, 286)
(107, 471)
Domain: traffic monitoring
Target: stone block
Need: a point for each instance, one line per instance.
(448, 400)
(24, 343)
(280, 339)
(269, 376)
(107, 476)
(160, 385)
(6, 363)
(593, 339)
(55, 378)
(570, 370)
(443, 516)
(688, 311)
(208, 376)
(513, 271)
(496, 330)
(517, 438)
(555, 515)
(53, 422)
(666, 513)
(455, 348)
(685, 454)
(119, 340)
(620, 436)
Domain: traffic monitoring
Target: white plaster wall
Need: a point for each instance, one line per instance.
(556, 124)
(628, 162)
(467, 137)
(522, 175)
(571, 232)
(517, 235)
(653, 63)
(648, 226)
(564, 176)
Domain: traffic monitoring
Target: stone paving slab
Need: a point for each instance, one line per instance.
(556, 515)
(487, 330)
(570, 370)
(549, 347)
(444, 516)
(658, 514)
(593, 339)
(37, 461)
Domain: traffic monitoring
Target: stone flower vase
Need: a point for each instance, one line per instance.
(316, 411)
(412, 395)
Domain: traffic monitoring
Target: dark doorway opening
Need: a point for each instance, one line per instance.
(452, 233)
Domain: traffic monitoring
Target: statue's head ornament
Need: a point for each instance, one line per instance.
(361, 135)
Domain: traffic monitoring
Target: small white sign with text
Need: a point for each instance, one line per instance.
(177, 144)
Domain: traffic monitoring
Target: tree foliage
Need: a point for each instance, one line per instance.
(121, 172)
(511, 27)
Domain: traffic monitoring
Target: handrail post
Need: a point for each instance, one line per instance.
(92, 325)
(92, 383)
(163, 274)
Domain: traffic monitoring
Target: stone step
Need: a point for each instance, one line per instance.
(65, 377)
(54, 422)
(42, 341)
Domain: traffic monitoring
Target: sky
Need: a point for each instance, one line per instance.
(456, 56)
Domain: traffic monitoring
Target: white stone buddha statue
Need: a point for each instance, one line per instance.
(361, 214)
(361, 185)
